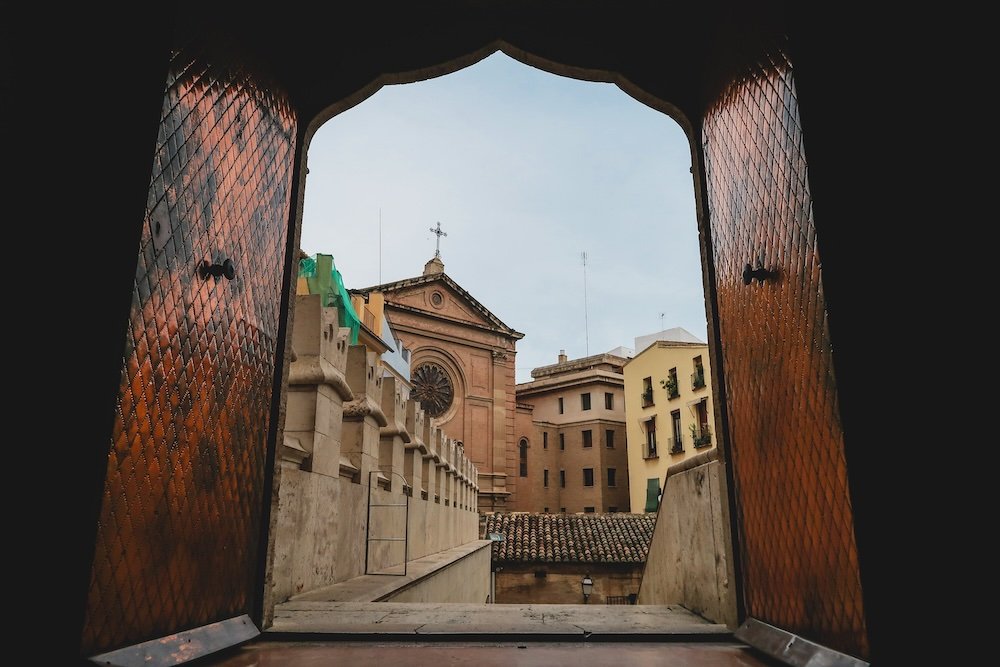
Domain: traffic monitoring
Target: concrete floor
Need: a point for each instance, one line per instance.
(267, 653)
(310, 633)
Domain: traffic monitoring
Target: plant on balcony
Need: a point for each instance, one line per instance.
(701, 437)
(670, 384)
(698, 379)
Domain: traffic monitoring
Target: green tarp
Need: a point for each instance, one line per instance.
(323, 278)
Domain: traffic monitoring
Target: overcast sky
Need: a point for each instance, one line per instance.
(525, 171)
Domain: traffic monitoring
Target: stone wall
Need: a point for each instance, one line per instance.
(690, 558)
(350, 471)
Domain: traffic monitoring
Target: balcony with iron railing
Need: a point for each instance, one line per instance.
(698, 379)
(670, 384)
(702, 436)
(647, 397)
(650, 451)
(676, 445)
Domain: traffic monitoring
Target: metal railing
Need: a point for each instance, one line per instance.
(698, 379)
(647, 398)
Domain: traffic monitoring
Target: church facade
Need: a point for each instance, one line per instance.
(462, 370)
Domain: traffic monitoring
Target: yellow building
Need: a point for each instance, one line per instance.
(668, 410)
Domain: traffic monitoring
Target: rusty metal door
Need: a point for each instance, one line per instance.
(795, 525)
(180, 522)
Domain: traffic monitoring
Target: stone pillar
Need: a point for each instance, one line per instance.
(453, 485)
(317, 388)
(459, 464)
(447, 458)
(363, 416)
(414, 450)
(394, 435)
(474, 477)
(496, 485)
(466, 484)
(440, 463)
(428, 471)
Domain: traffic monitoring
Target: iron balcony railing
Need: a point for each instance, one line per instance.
(647, 398)
(650, 452)
(698, 379)
(702, 436)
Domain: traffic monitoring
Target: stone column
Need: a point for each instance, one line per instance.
(440, 463)
(317, 388)
(496, 486)
(428, 471)
(447, 483)
(453, 485)
(363, 416)
(459, 464)
(465, 483)
(394, 435)
(474, 478)
(414, 450)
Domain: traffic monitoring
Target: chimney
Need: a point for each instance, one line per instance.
(562, 356)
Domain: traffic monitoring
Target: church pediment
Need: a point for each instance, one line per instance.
(441, 296)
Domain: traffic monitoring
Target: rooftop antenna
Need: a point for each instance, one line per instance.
(586, 325)
(661, 321)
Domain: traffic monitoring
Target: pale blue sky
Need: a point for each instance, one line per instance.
(525, 170)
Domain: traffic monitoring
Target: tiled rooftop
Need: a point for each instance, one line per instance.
(572, 538)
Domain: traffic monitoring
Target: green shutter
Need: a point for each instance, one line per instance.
(652, 494)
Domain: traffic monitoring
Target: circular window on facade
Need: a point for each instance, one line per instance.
(433, 388)
(437, 299)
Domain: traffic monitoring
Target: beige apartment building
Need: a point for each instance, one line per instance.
(571, 444)
(668, 403)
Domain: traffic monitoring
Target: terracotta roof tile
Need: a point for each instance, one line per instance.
(573, 538)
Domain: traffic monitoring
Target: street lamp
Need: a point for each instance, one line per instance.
(587, 584)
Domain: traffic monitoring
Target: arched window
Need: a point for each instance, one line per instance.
(523, 454)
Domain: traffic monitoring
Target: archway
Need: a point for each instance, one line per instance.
(723, 261)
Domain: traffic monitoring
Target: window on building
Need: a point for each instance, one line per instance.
(523, 456)
(647, 392)
(609, 400)
(609, 438)
(612, 509)
(588, 510)
(703, 436)
(677, 438)
(545, 478)
(698, 377)
(562, 509)
(670, 384)
(588, 476)
(585, 401)
(588, 438)
(546, 510)
(562, 441)
(650, 438)
(562, 478)
(611, 476)
(545, 439)
(560, 405)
